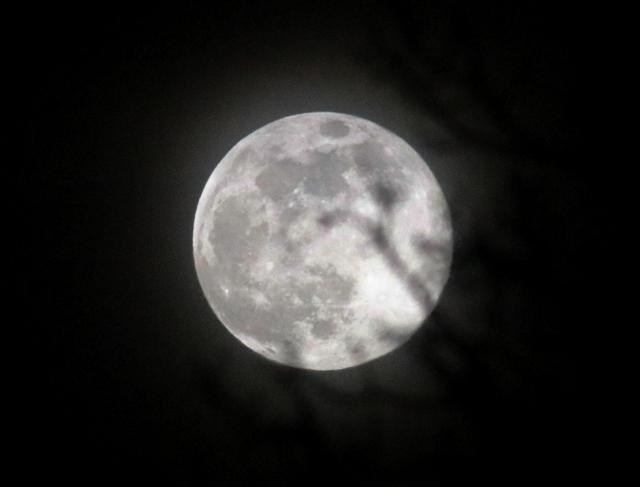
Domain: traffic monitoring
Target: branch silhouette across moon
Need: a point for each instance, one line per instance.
(322, 241)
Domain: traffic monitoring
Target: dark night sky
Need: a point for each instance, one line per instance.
(127, 114)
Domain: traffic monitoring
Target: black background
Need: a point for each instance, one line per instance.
(127, 114)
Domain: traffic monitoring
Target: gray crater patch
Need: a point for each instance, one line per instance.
(324, 176)
(235, 241)
(335, 129)
(279, 179)
(323, 329)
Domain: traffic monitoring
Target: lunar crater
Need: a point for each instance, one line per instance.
(279, 179)
(334, 128)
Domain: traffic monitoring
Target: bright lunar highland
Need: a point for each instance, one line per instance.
(322, 241)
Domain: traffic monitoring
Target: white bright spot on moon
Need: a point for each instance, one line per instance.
(322, 241)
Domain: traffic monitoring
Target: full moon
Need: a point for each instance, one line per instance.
(322, 241)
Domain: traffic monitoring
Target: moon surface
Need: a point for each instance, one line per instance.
(322, 241)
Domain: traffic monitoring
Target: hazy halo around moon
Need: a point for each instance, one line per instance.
(322, 241)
